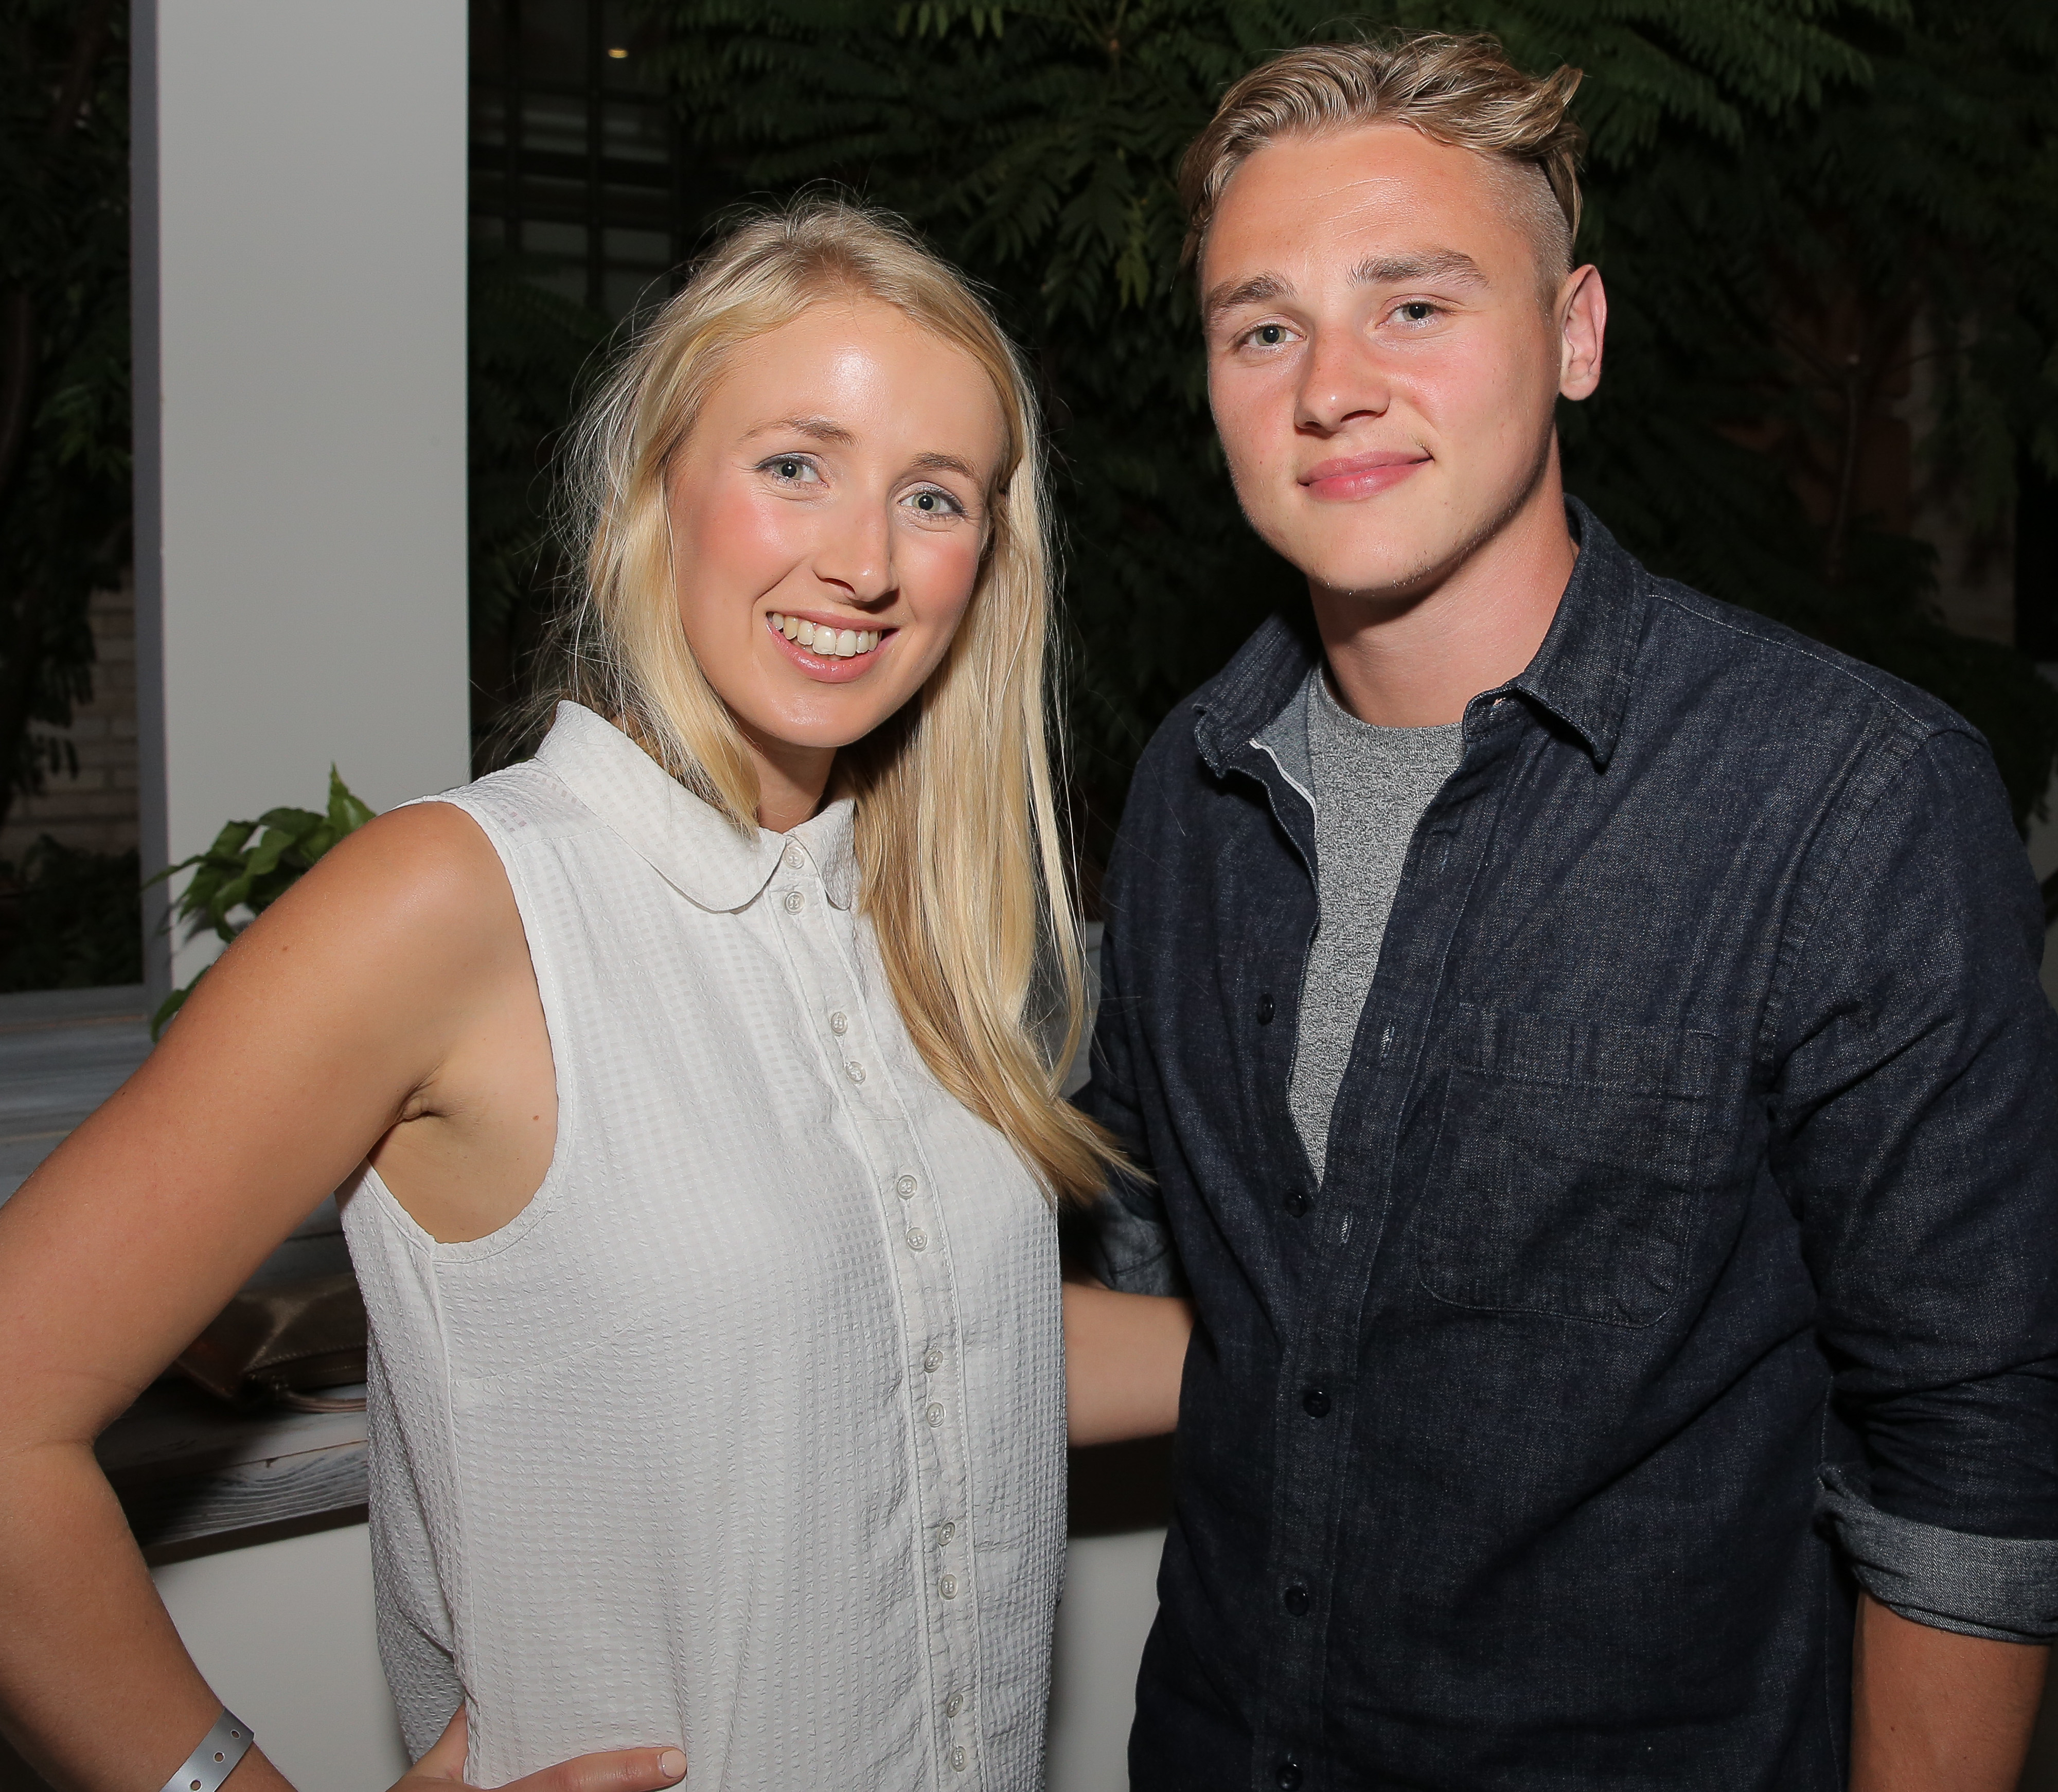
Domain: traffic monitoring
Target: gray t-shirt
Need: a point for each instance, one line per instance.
(1370, 787)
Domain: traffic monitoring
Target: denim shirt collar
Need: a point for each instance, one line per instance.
(1581, 674)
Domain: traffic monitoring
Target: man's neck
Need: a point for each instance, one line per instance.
(1415, 659)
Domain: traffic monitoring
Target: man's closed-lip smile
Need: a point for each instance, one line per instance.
(1361, 475)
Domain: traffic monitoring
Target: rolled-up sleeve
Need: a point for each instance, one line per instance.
(1914, 1129)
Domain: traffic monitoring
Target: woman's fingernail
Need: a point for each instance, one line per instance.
(671, 1763)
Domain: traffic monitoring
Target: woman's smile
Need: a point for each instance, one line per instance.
(829, 650)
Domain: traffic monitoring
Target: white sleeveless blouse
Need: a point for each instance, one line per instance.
(747, 1435)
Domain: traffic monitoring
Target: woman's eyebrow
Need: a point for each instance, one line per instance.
(947, 463)
(815, 429)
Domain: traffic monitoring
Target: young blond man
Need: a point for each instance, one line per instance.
(1586, 1047)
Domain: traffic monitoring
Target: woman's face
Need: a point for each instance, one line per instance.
(828, 512)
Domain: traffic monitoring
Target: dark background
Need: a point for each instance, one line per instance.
(1830, 234)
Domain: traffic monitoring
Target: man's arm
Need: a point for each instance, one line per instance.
(1933, 1709)
(1914, 1130)
(1123, 1241)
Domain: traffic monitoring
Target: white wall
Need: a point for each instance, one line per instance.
(1110, 1602)
(283, 1632)
(299, 273)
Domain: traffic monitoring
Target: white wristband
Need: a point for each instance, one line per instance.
(220, 1750)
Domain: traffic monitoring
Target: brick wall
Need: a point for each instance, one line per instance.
(97, 808)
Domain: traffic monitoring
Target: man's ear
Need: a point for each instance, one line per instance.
(1581, 314)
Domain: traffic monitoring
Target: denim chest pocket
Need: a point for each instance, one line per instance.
(1563, 1180)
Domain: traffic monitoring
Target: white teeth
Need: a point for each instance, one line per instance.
(841, 644)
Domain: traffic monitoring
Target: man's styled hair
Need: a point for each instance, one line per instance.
(1462, 91)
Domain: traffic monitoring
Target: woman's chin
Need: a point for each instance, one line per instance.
(818, 725)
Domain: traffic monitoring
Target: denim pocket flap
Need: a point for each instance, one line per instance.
(1563, 1180)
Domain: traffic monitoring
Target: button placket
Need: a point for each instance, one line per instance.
(919, 1260)
(942, 1443)
(1304, 1527)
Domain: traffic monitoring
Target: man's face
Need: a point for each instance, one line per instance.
(1384, 353)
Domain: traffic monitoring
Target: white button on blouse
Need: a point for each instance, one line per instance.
(657, 1461)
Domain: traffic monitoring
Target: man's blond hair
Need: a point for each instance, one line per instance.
(1462, 91)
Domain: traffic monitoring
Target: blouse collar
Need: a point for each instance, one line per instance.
(689, 843)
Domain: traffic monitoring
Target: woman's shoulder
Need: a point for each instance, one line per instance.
(526, 799)
(427, 871)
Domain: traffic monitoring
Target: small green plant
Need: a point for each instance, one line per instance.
(250, 865)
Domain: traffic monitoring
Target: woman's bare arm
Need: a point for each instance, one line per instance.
(1124, 1354)
(370, 1001)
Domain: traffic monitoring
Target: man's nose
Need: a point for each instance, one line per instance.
(856, 551)
(1341, 379)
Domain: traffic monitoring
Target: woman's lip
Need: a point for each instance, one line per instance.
(1360, 476)
(822, 669)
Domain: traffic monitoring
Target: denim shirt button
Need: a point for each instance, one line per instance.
(1315, 1402)
(1266, 1010)
(1297, 1203)
(1295, 1599)
(1287, 1774)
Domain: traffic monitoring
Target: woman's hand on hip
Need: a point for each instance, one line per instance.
(628, 1769)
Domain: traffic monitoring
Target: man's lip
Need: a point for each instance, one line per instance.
(1353, 465)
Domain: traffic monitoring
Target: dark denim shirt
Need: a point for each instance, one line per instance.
(1686, 1243)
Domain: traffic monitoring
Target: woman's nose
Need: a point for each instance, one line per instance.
(856, 553)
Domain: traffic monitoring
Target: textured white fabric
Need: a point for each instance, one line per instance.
(748, 1434)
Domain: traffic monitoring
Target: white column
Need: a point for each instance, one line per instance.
(300, 320)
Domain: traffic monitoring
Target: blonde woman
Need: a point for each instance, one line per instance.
(700, 1156)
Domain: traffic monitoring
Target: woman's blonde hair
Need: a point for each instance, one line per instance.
(959, 851)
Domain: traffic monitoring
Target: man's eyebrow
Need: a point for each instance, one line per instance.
(1258, 289)
(815, 429)
(1394, 270)
(1379, 270)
